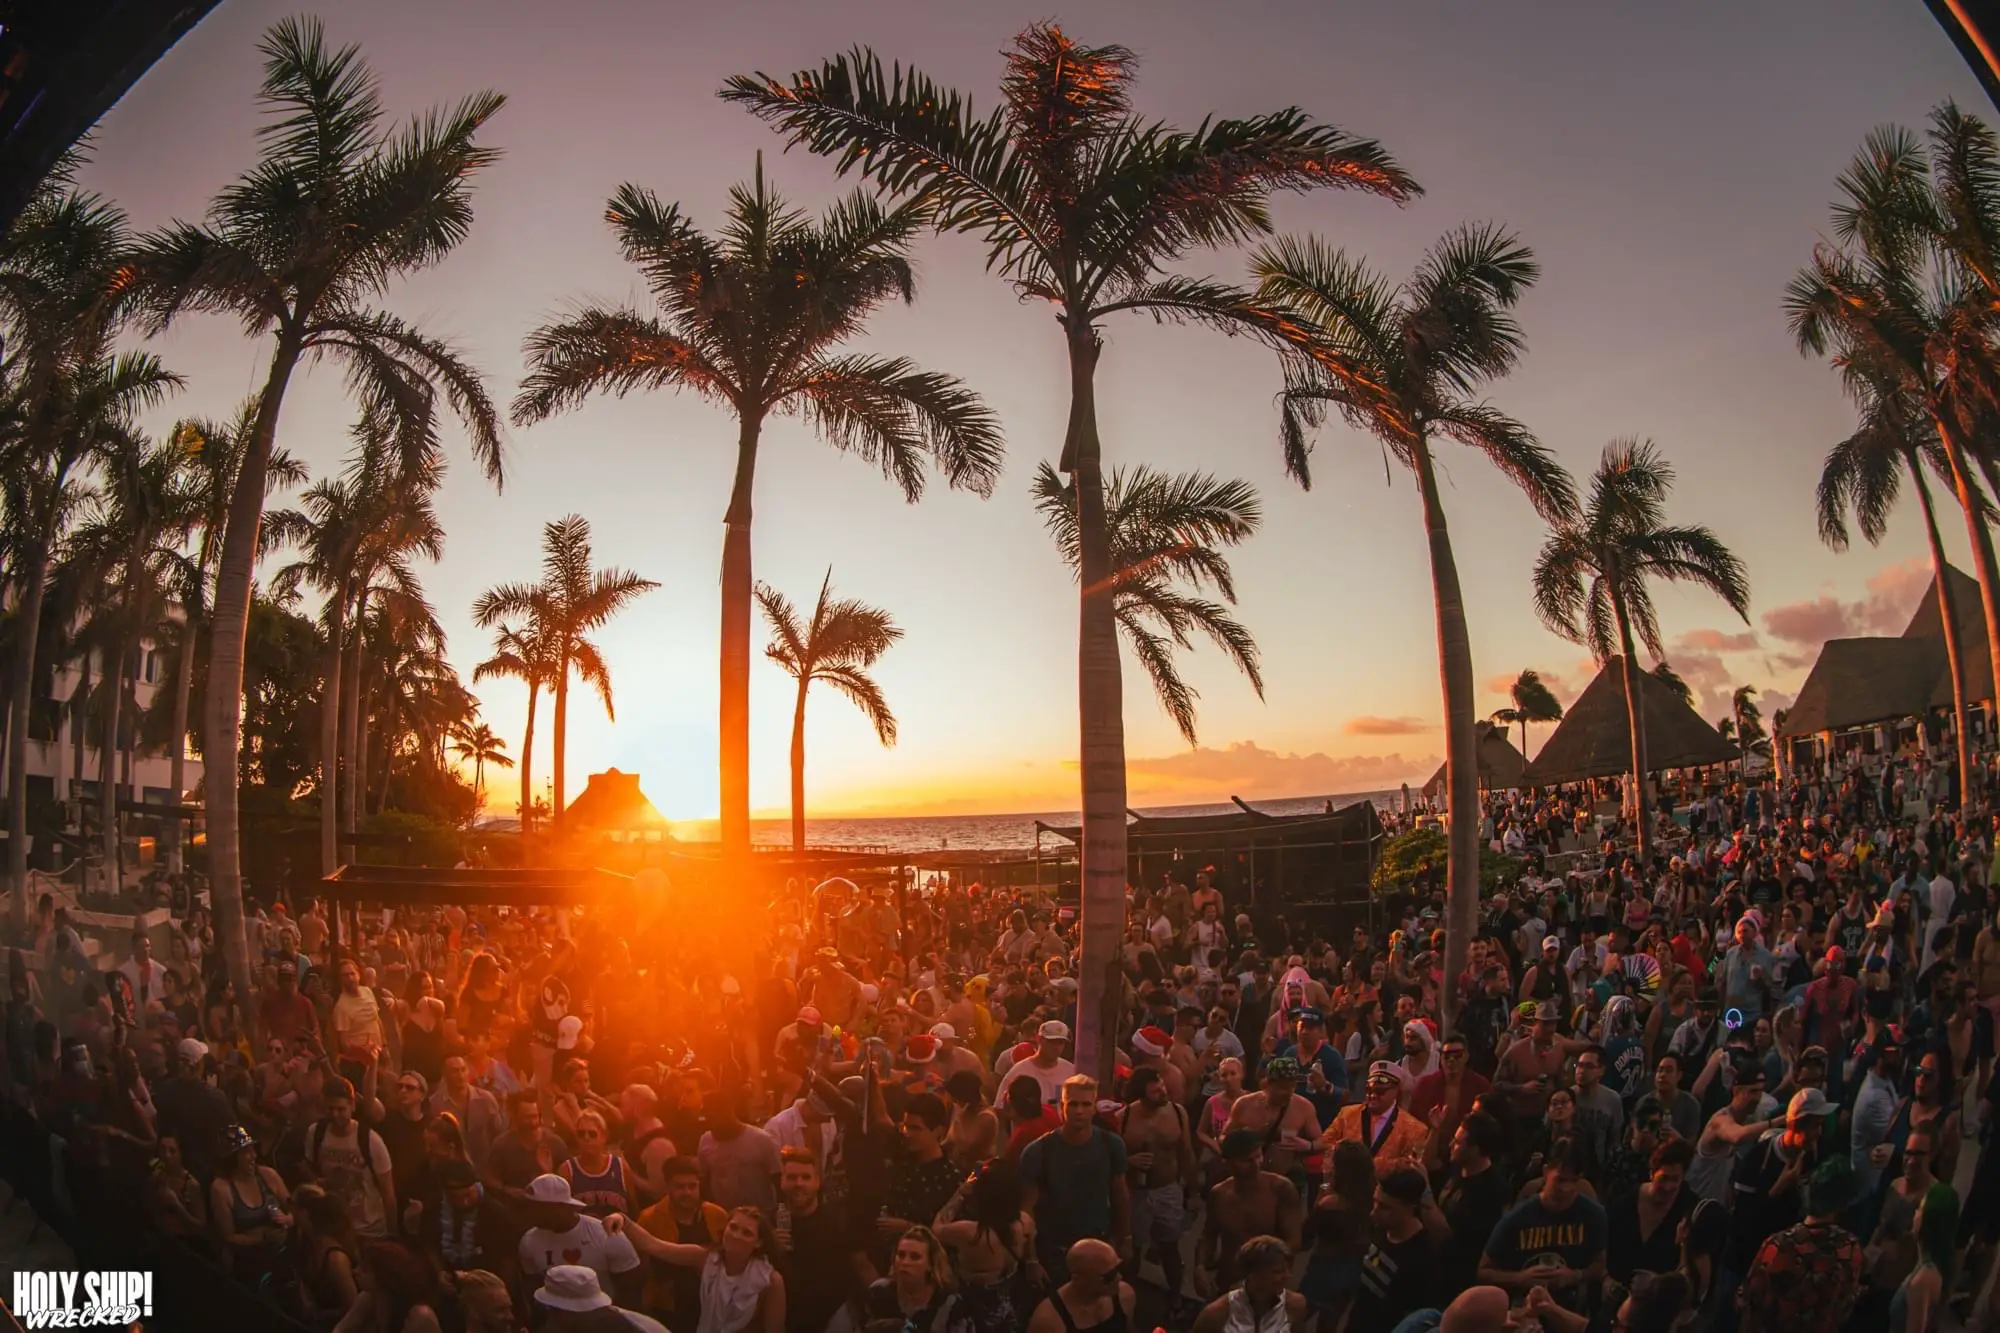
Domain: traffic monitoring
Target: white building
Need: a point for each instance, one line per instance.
(64, 762)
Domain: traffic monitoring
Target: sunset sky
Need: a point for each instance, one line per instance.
(1670, 164)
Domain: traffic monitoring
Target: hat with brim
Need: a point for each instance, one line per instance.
(571, 1287)
(553, 1189)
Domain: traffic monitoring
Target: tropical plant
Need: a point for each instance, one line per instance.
(1591, 583)
(1081, 204)
(1664, 673)
(838, 645)
(215, 455)
(62, 303)
(131, 543)
(572, 601)
(1863, 473)
(479, 745)
(1748, 724)
(1904, 306)
(1422, 855)
(337, 208)
(753, 319)
(525, 655)
(1533, 702)
(1402, 362)
(1166, 533)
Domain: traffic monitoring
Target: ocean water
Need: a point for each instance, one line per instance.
(982, 832)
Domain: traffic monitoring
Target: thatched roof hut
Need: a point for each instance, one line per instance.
(1861, 682)
(1594, 741)
(611, 803)
(1501, 767)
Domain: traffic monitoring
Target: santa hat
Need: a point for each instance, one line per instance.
(1023, 1050)
(1151, 1041)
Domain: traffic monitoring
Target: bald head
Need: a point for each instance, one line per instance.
(1477, 1310)
(1092, 1259)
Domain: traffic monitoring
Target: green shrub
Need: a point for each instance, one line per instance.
(1408, 856)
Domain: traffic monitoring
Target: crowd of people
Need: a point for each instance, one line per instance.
(1737, 1088)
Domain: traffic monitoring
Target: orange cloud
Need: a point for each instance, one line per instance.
(1386, 726)
(1891, 595)
(1715, 641)
(1246, 767)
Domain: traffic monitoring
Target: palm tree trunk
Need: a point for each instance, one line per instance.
(561, 736)
(107, 763)
(528, 763)
(1461, 740)
(1973, 504)
(329, 735)
(737, 584)
(1100, 697)
(354, 790)
(799, 765)
(177, 829)
(20, 708)
(1948, 618)
(236, 569)
(1635, 724)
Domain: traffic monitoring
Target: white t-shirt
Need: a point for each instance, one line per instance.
(587, 1243)
(1051, 1079)
(351, 1179)
(790, 1129)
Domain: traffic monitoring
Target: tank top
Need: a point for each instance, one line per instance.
(1116, 1323)
(1899, 1304)
(246, 1217)
(1240, 1318)
(609, 1191)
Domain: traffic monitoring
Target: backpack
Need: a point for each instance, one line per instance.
(316, 1137)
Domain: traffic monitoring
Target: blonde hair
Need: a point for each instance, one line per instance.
(938, 1269)
(1081, 1084)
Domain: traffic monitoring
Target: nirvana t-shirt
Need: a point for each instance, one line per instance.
(1396, 1277)
(1533, 1236)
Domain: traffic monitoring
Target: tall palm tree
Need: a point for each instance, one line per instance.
(1082, 205)
(1903, 317)
(62, 303)
(481, 745)
(1402, 362)
(1864, 473)
(526, 655)
(838, 645)
(753, 319)
(1167, 535)
(145, 504)
(1590, 581)
(1664, 672)
(572, 601)
(215, 452)
(1533, 702)
(337, 208)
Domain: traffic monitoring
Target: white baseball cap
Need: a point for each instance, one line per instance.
(192, 1050)
(552, 1189)
(568, 1031)
(1055, 1030)
(944, 1032)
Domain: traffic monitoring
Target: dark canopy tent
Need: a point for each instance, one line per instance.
(352, 886)
(1270, 860)
(1594, 738)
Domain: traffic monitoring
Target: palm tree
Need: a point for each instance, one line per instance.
(1902, 313)
(215, 455)
(1533, 702)
(1590, 581)
(1082, 205)
(62, 303)
(1749, 723)
(1667, 676)
(838, 645)
(753, 320)
(1166, 534)
(1401, 362)
(338, 206)
(481, 745)
(525, 655)
(146, 503)
(1864, 473)
(571, 602)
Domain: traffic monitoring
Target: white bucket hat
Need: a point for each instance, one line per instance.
(571, 1287)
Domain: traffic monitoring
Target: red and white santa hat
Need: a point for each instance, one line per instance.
(1152, 1041)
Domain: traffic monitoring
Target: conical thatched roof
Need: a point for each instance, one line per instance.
(1593, 740)
(613, 803)
(1860, 682)
(1501, 767)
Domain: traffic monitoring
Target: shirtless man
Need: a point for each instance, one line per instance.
(1249, 1202)
(1159, 1157)
(953, 1057)
(1149, 1051)
(1283, 1121)
(1094, 1297)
